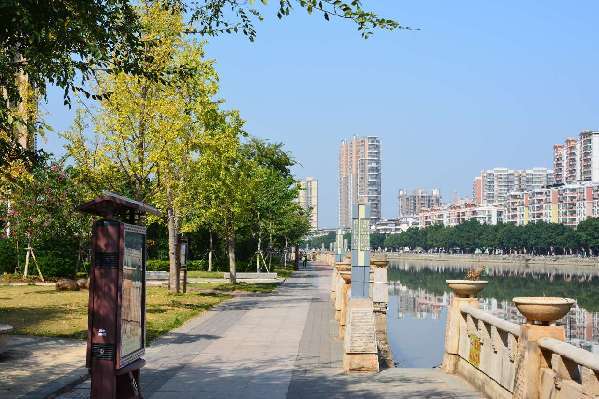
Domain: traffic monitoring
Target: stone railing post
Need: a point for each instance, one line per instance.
(464, 293)
(346, 289)
(541, 314)
(380, 289)
(339, 284)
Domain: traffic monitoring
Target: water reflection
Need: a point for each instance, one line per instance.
(418, 299)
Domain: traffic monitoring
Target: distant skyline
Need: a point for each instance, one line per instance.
(481, 85)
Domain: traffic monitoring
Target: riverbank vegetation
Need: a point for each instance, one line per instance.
(471, 236)
(505, 288)
(534, 238)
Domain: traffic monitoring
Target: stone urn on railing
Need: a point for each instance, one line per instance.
(465, 292)
(541, 315)
(543, 310)
(469, 287)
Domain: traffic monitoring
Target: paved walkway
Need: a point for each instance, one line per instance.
(31, 362)
(274, 346)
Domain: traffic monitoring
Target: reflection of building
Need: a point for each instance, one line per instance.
(417, 302)
(308, 199)
(359, 177)
(581, 325)
(410, 204)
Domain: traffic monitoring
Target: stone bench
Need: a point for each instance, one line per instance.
(5, 329)
(252, 276)
(156, 275)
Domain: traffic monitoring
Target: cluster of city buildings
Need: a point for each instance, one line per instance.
(566, 194)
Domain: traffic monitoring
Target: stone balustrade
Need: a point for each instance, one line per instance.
(567, 371)
(507, 360)
(362, 322)
(488, 351)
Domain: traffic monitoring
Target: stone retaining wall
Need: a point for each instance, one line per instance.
(521, 260)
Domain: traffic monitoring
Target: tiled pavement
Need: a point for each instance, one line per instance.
(274, 346)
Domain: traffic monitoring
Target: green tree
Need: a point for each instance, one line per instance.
(219, 187)
(40, 213)
(588, 231)
(148, 131)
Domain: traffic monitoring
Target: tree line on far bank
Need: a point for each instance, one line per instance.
(539, 238)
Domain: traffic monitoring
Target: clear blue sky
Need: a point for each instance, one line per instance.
(482, 84)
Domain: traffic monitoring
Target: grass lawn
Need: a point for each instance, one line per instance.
(202, 274)
(282, 273)
(43, 311)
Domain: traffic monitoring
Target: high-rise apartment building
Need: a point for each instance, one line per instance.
(359, 177)
(577, 159)
(410, 204)
(565, 161)
(588, 148)
(308, 199)
(493, 186)
(568, 204)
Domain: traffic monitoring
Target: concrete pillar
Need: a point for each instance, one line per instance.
(530, 360)
(361, 353)
(380, 290)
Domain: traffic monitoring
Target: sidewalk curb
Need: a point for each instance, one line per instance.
(75, 378)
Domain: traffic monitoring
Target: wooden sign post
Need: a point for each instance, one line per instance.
(117, 291)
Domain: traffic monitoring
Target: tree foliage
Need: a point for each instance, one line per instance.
(66, 43)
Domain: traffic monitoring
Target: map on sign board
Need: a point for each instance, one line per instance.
(132, 295)
(364, 234)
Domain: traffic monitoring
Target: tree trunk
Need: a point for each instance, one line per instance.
(258, 253)
(231, 251)
(285, 254)
(173, 251)
(210, 254)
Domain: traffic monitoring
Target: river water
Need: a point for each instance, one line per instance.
(418, 300)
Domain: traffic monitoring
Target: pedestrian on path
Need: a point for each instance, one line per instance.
(305, 260)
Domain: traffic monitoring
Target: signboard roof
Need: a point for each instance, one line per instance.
(109, 203)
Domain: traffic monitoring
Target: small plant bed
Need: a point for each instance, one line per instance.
(43, 311)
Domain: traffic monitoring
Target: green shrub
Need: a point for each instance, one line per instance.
(197, 265)
(54, 264)
(8, 256)
(156, 265)
(163, 265)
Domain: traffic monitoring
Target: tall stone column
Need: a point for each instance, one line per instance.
(360, 336)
